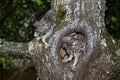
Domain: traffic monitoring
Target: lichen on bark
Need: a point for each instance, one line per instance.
(60, 14)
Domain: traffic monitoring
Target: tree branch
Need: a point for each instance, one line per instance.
(8, 47)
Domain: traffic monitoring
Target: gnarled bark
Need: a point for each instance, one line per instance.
(92, 62)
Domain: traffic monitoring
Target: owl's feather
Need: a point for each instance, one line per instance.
(45, 26)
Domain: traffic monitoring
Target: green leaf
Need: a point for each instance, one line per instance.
(114, 19)
(39, 2)
(48, 0)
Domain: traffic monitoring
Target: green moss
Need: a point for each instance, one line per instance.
(61, 13)
(110, 45)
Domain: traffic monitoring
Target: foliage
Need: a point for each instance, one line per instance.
(17, 18)
(16, 22)
(113, 18)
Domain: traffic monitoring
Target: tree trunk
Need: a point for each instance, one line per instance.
(77, 22)
(80, 47)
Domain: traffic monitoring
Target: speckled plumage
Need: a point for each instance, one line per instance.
(45, 26)
(74, 46)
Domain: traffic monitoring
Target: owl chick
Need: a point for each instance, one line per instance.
(45, 27)
(74, 46)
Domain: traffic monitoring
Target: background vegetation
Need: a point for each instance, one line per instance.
(112, 18)
(16, 22)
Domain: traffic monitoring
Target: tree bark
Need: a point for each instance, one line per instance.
(8, 47)
(85, 18)
(93, 61)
